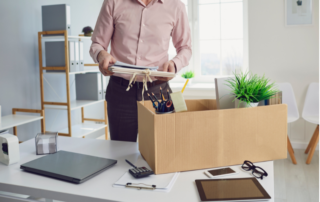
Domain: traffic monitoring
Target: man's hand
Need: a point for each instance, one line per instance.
(167, 67)
(105, 59)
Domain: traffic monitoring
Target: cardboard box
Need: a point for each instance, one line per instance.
(205, 137)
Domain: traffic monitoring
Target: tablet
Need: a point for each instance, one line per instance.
(233, 189)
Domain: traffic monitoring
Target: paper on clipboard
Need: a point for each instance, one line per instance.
(163, 182)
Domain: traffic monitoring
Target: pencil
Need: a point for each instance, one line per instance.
(154, 105)
(184, 85)
(156, 98)
(161, 95)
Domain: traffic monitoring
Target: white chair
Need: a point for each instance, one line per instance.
(310, 113)
(293, 113)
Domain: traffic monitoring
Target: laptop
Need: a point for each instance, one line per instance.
(69, 166)
(224, 96)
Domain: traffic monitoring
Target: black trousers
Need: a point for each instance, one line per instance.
(122, 106)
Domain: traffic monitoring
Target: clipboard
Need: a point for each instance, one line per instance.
(162, 183)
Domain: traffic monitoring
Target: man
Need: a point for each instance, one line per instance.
(140, 32)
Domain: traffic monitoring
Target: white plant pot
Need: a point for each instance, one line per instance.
(244, 104)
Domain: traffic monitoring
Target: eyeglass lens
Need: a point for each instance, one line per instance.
(247, 165)
(258, 172)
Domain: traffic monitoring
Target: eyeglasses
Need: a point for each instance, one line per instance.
(257, 171)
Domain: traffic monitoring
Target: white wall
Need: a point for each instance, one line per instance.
(20, 21)
(285, 54)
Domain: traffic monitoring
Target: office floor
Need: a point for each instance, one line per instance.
(297, 183)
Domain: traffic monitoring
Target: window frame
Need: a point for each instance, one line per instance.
(193, 17)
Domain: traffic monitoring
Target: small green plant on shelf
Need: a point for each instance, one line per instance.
(87, 31)
(251, 88)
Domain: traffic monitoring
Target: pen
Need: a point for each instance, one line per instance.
(130, 164)
(159, 104)
(156, 98)
(154, 105)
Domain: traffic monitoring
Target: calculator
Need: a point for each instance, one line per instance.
(139, 172)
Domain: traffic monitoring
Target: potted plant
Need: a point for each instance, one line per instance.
(187, 75)
(250, 89)
(87, 31)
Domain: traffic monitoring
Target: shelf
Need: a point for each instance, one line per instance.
(61, 38)
(77, 104)
(10, 121)
(77, 72)
(84, 129)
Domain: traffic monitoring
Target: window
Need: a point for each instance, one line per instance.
(217, 38)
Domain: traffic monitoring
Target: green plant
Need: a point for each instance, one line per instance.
(251, 88)
(188, 75)
(87, 30)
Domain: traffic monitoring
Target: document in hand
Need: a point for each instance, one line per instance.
(125, 65)
(148, 72)
(123, 68)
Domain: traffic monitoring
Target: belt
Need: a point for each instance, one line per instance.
(138, 85)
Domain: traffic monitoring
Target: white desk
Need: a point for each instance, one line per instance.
(99, 188)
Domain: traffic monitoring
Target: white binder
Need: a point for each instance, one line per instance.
(72, 64)
(81, 57)
(77, 59)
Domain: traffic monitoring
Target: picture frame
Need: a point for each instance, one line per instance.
(298, 12)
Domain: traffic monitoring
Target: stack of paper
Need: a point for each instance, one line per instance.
(125, 65)
(124, 68)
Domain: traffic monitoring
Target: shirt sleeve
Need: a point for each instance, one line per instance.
(103, 30)
(181, 38)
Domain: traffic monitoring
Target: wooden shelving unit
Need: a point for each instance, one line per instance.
(81, 130)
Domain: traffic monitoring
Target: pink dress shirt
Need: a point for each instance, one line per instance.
(140, 34)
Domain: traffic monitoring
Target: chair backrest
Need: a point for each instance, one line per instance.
(289, 99)
(311, 103)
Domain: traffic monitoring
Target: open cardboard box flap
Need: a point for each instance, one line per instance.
(204, 137)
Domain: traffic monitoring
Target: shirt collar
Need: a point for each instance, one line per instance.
(161, 1)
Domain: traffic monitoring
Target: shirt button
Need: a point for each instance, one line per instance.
(139, 58)
(143, 25)
(141, 41)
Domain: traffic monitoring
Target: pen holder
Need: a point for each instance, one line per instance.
(46, 143)
(164, 112)
(165, 109)
(9, 149)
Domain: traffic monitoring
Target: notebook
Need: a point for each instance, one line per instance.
(232, 189)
